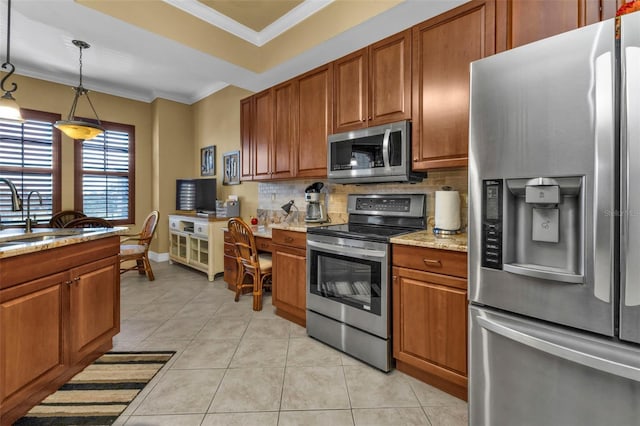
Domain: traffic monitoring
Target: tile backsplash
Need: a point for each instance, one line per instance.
(272, 195)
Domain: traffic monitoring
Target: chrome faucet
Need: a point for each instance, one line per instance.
(16, 202)
(30, 221)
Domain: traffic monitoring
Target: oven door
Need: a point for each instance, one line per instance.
(348, 280)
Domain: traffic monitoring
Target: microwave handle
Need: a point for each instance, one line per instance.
(385, 148)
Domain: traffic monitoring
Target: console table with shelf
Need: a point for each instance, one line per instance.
(197, 242)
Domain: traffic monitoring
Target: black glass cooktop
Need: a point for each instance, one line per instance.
(360, 232)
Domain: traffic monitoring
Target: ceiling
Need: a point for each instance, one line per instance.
(185, 50)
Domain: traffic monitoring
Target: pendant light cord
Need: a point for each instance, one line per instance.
(8, 65)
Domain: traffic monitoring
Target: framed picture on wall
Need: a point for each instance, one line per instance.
(208, 161)
(231, 165)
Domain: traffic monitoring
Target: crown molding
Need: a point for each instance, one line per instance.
(273, 30)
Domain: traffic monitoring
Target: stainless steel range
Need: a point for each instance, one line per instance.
(348, 274)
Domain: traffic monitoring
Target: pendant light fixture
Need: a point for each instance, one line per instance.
(80, 129)
(9, 109)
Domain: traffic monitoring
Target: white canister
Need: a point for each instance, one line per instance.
(447, 210)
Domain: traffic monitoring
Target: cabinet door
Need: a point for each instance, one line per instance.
(390, 79)
(525, 21)
(199, 252)
(285, 140)
(443, 48)
(351, 91)
(315, 121)
(32, 327)
(262, 135)
(290, 282)
(246, 142)
(94, 307)
(178, 246)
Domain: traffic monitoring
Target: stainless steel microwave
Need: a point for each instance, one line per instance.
(372, 155)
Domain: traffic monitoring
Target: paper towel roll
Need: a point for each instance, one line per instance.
(448, 210)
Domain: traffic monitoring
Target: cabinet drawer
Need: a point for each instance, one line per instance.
(263, 244)
(431, 260)
(174, 224)
(201, 228)
(289, 238)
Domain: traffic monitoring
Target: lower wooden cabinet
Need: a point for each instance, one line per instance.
(430, 316)
(289, 257)
(55, 320)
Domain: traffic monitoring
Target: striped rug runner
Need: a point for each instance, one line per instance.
(99, 393)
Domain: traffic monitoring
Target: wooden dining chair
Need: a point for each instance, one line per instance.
(88, 222)
(140, 252)
(250, 262)
(58, 220)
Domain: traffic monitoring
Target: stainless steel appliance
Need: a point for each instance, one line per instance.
(316, 212)
(554, 247)
(374, 154)
(348, 274)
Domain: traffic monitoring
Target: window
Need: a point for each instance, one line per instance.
(105, 174)
(30, 158)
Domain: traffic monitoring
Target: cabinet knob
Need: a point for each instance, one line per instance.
(432, 262)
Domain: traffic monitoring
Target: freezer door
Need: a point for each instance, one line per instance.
(630, 176)
(529, 373)
(545, 112)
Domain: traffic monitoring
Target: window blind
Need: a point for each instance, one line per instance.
(27, 160)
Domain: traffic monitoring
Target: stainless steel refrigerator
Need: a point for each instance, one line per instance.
(554, 231)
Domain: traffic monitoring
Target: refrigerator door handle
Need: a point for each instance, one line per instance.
(512, 332)
(629, 267)
(603, 229)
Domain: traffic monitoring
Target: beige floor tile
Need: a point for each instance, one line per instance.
(223, 328)
(207, 354)
(447, 416)
(430, 396)
(276, 328)
(260, 353)
(243, 308)
(249, 389)
(314, 388)
(296, 330)
(370, 388)
(137, 329)
(316, 418)
(179, 328)
(264, 418)
(411, 416)
(156, 311)
(169, 420)
(349, 360)
(307, 352)
(182, 391)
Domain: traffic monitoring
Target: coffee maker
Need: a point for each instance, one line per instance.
(315, 203)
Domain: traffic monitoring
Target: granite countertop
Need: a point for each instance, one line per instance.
(427, 238)
(49, 238)
(297, 227)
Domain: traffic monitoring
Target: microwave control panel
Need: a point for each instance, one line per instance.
(492, 224)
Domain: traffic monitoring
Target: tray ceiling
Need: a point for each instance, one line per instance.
(185, 50)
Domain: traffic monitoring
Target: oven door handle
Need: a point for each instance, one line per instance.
(348, 251)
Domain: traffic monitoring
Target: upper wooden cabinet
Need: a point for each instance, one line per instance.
(315, 109)
(262, 138)
(246, 145)
(443, 48)
(285, 140)
(519, 22)
(373, 85)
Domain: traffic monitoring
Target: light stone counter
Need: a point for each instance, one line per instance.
(427, 239)
(49, 238)
(297, 227)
